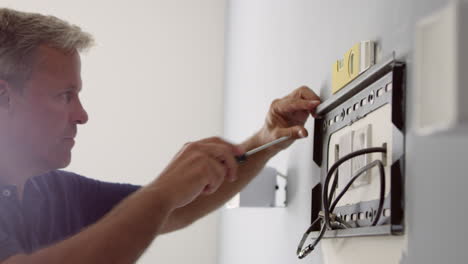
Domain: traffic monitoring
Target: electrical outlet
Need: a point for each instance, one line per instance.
(375, 130)
(342, 149)
(361, 140)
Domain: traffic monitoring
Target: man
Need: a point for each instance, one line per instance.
(52, 216)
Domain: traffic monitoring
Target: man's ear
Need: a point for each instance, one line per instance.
(4, 94)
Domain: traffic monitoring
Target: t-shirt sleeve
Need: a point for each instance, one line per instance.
(97, 198)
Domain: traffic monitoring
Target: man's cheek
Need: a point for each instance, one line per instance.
(43, 132)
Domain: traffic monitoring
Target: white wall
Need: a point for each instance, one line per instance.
(153, 82)
(274, 46)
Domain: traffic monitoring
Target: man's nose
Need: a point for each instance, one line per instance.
(80, 115)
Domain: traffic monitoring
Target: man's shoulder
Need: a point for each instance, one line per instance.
(61, 178)
(58, 173)
(67, 178)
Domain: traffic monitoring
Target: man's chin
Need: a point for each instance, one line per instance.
(60, 161)
(65, 162)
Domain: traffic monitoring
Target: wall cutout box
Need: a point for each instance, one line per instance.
(266, 190)
(367, 112)
(441, 63)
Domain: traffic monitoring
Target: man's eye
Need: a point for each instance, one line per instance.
(67, 96)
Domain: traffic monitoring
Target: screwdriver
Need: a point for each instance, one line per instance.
(242, 158)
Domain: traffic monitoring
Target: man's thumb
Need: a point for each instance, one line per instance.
(295, 132)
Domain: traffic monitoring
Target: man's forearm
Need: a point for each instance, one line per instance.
(203, 205)
(119, 237)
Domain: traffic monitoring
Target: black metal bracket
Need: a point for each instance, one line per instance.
(382, 84)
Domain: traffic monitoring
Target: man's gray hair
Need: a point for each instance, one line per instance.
(22, 33)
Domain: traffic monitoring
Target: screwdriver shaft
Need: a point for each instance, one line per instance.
(244, 157)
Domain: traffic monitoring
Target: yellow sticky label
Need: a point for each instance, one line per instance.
(347, 68)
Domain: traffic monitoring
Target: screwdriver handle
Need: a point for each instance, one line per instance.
(241, 158)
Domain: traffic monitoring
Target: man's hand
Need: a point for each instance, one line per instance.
(287, 117)
(199, 168)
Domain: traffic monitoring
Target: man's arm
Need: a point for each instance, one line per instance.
(286, 117)
(124, 233)
(120, 237)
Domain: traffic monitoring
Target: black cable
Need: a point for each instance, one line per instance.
(325, 201)
(357, 175)
(342, 222)
(301, 253)
(353, 178)
(333, 188)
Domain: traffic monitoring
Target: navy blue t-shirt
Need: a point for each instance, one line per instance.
(55, 206)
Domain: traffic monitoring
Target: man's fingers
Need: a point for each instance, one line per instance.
(290, 105)
(216, 175)
(305, 92)
(225, 156)
(294, 132)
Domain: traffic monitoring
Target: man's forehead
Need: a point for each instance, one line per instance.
(46, 56)
(54, 63)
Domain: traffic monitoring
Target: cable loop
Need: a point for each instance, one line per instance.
(303, 252)
(327, 216)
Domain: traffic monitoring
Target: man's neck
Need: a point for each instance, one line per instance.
(17, 173)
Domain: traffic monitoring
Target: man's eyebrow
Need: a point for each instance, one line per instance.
(73, 88)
